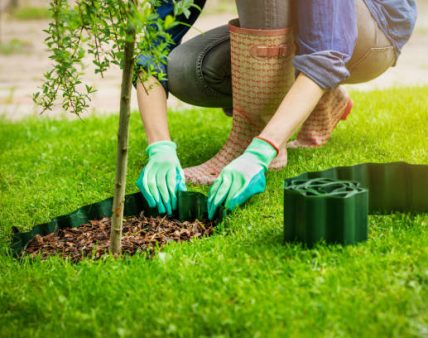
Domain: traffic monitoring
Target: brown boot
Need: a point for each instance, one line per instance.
(262, 74)
(335, 105)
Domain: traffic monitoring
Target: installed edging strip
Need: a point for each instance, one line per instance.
(333, 204)
(191, 206)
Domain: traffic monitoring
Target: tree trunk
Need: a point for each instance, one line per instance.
(122, 145)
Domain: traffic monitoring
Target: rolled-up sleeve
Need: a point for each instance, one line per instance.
(326, 36)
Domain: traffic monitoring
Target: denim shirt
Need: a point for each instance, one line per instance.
(326, 33)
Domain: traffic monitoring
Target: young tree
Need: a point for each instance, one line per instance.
(112, 32)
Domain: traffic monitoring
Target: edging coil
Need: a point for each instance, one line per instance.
(333, 204)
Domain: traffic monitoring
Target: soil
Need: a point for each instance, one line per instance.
(140, 234)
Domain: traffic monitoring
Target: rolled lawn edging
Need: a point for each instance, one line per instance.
(333, 204)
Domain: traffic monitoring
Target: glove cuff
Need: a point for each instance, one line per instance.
(161, 146)
(270, 142)
(263, 150)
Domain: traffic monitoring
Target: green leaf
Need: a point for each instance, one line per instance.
(169, 21)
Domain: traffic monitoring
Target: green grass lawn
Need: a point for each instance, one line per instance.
(14, 46)
(25, 13)
(243, 281)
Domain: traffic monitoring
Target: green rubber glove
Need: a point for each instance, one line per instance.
(162, 177)
(242, 178)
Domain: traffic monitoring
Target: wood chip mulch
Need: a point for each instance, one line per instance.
(140, 234)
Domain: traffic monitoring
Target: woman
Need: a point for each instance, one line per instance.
(338, 41)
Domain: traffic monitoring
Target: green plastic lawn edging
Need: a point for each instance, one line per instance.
(333, 205)
(191, 206)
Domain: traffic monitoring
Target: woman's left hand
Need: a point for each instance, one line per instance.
(242, 178)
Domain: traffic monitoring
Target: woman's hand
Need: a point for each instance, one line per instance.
(242, 178)
(162, 177)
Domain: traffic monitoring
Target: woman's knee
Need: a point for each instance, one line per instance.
(199, 70)
(182, 73)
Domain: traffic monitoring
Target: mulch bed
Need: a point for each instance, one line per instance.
(140, 234)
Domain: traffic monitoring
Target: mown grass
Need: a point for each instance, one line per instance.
(219, 7)
(14, 46)
(243, 281)
(26, 13)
